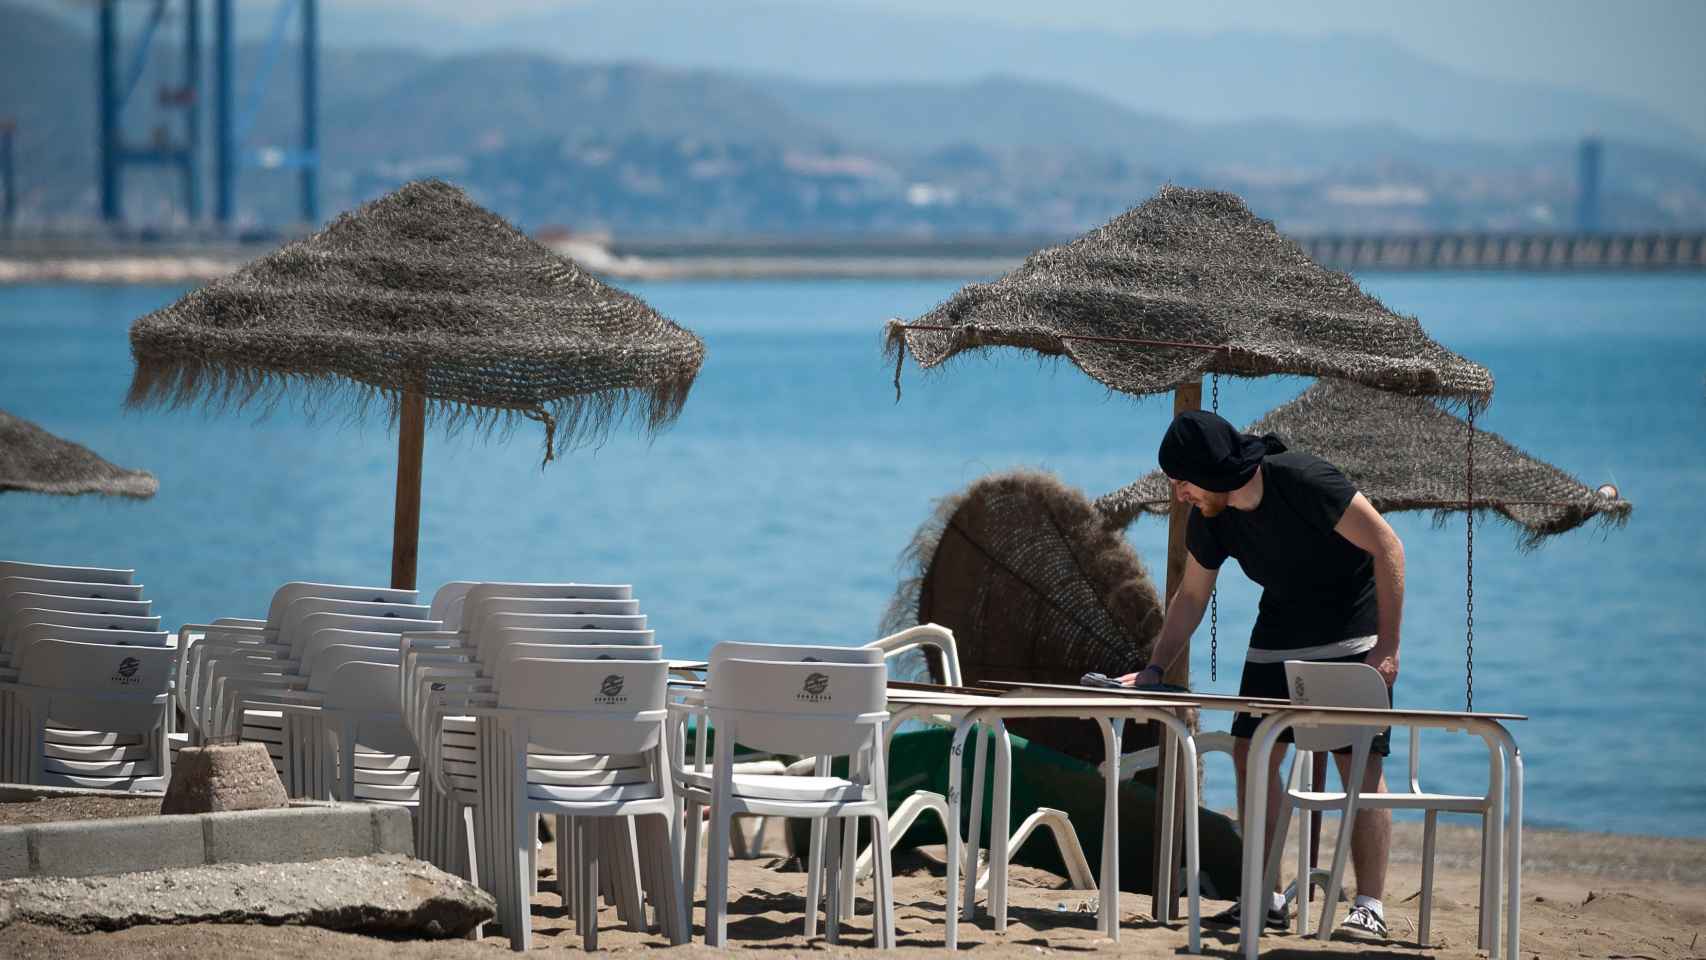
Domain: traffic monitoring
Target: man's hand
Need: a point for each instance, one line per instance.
(1385, 660)
(1137, 679)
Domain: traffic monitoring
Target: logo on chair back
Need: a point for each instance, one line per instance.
(1297, 690)
(815, 689)
(610, 691)
(125, 675)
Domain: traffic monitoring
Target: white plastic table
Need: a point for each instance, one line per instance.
(1110, 714)
(1500, 746)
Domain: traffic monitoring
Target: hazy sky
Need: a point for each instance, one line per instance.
(1647, 50)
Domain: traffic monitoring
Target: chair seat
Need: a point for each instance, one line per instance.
(761, 786)
(90, 737)
(387, 778)
(382, 761)
(116, 768)
(609, 794)
(589, 778)
(377, 791)
(95, 753)
(1394, 801)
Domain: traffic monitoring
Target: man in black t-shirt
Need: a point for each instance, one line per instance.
(1332, 577)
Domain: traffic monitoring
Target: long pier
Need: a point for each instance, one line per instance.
(1508, 251)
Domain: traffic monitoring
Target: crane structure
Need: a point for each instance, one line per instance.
(178, 144)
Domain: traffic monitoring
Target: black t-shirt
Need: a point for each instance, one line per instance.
(1317, 587)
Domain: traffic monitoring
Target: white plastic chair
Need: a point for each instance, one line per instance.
(112, 694)
(55, 571)
(814, 701)
(583, 707)
(1352, 685)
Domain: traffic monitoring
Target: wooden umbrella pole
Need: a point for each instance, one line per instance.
(1187, 396)
(406, 536)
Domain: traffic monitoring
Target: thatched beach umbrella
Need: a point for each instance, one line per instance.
(1190, 283)
(1035, 585)
(1404, 453)
(35, 461)
(435, 307)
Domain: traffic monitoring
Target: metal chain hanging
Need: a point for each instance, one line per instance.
(1469, 567)
(1214, 596)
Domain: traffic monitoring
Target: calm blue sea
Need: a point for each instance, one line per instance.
(777, 507)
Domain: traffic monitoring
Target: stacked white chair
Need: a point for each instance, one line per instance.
(444, 672)
(93, 605)
(822, 702)
(232, 635)
(110, 699)
(1358, 685)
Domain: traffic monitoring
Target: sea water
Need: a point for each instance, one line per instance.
(777, 507)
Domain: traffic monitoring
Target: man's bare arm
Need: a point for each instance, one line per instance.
(1183, 615)
(1364, 526)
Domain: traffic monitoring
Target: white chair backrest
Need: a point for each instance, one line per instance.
(330, 658)
(507, 657)
(32, 635)
(320, 640)
(55, 571)
(474, 602)
(556, 606)
(492, 641)
(74, 684)
(315, 622)
(794, 653)
(10, 605)
(290, 622)
(70, 588)
(809, 708)
(1333, 685)
(563, 621)
(447, 602)
(296, 589)
(600, 707)
(63, 618)
(369, 691)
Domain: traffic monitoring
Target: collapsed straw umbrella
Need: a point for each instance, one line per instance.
(1036, 586)
(436, 307)
(35, 461)
(1405, 453)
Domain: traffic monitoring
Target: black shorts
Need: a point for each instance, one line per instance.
(1268, 680)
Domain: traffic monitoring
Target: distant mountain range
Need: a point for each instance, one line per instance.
(911, 143)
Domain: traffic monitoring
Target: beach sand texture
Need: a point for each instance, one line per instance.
(1584, 895)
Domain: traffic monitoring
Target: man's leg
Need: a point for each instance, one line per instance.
(1371, 835)
(1276, 786)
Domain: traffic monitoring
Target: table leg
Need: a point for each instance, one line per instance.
(951, 917)
(1000, 827)
(974, 839)
(1110, 880)
(1513, 864)
(1253, 902)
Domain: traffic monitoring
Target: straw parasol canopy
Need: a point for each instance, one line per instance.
(1188, 283)
(439, 309)
(422, 290)
(1035, 585)
(35, 461)
(1405, 453)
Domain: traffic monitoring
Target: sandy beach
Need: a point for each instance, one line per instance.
(1584, 895)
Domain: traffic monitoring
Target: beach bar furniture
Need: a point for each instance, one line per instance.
(90, 715)
(1505, 771)
(822, 702)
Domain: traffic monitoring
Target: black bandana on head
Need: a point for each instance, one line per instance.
(1203, 449)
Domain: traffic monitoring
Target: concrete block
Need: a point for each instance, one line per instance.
(14, 852)
(393, 830)
(92, 847)
(291, 835)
